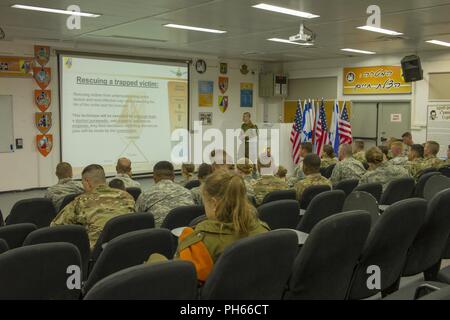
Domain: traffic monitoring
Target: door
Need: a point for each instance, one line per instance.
(395, 119)
(364, 118)
(6, 124)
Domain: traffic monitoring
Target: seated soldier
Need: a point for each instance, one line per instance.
(65, 185)
(267, 183)
(187, 173)
(397, 154)
(281, 173)
(311, 168)
(117, 184)
(358, 151)
(415, 160)
(430, 152)
(204, 170)
(305, 149)
(328, 157)
(348, 167)
(123, 169)
(164, 195)
(244, 168)
(380, 170)
(94, 208)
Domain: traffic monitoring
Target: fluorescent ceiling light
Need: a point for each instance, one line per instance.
(380, 30)
(439, 43)
(290, 42)
(178, 26)
(358, 51)
(291, 12)
(71, 13)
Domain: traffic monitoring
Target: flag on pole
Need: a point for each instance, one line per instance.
(296, 133)
(322, 137)
(345, 128)
(307, 122)
(334, 128)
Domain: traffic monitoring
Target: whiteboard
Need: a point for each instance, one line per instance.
(6, 124)
(438, 127)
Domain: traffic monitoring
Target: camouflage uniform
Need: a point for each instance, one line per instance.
(326, 162)
(249, 183)
(185, 179)
(163, 197)
(384, 174)
(347, 169)
(197, 196)
(93, 209)
(63, 188)
(406, 149)
(360, 156)
(315, 179)
(296, 177)
(127, 181)
(431, 162)
(399, 161)
(267, 184)
(414, 167)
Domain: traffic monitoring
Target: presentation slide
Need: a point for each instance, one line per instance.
(113, 108)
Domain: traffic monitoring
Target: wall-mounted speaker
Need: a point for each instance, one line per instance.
(412, 68)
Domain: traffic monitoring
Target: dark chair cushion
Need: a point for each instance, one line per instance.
(38, 211)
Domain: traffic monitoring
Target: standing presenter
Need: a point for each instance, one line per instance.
(249, 135)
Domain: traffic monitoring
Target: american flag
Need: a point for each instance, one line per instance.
(322, 137)
(345, 128)
(296, 133)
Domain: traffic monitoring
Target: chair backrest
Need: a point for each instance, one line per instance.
(397, 190)
(169, 280)
(128, 250)
(182, 216)
(2, 222)
(420, 185)
(3, 246)
(120, 225)
(279, 195)
(387, 246)
(434, 185)
(375, 189)
(322, 206)
(15, 234)
(329, 171)
(38, 211)
(310, 192)
(135, 192)
(427, 170)
(257, 267)
(441, 294)
(68, 199)
(361, 200)
(347, 185)
(324, 266)
(252, 200)
(192, 184)
(281, 214)
(39, 272)
(430, 242)
(197, 220)
(445, 170)
(74, 234)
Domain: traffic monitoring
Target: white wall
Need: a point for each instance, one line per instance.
(437, 61)
(26, 168)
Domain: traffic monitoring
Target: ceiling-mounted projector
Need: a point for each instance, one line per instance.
(302, 36)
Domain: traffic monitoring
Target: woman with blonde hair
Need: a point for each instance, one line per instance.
(380, 170)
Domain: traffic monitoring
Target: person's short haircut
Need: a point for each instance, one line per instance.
(359, 144)
(433, 146)
(281, 172)
(328, 149)
(188, 167)
(397, 144)
(407, 135)
(117, 184)
(311, 163)
(163, 169)
(94, 172)
(417, 148)
(384, 149)
(374, 155)
(204, 170)
(346, 149)
(63, 170)
(307, 146)
(248, 113)
(123, 165)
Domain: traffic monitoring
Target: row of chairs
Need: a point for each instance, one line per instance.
(408, 239)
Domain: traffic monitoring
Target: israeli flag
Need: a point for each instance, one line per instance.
(308, 122)
(334, 128)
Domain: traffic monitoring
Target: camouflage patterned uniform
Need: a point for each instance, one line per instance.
(431, 162)
(93, 209)
(163, 197)
(399, 161)
(267, 184)
(326, 162)
(186, 179)
(384, 174)
(63, 188)
(347, 169)
(249, 183)
(414, 167)
(296, 177)
(127, 181)
(197, 196)
(406, 149)
(360, 156)
(315, 179)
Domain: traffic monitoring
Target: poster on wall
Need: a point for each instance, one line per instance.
(246, 95)
(375, 80)
(223, 84)
(205, 118)
(438, 127)
(205, 93)
(44, 143)
(223, 103)
(16, 67)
